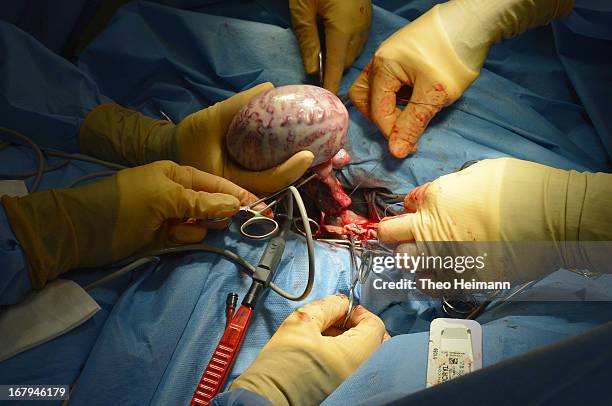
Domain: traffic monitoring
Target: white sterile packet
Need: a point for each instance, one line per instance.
(61, 306)
(455, 349)
(13, 188)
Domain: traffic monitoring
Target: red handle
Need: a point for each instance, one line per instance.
(223, 358)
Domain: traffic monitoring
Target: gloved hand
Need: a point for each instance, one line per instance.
(439, 55)
(347, 26)
(510, 200)
(309, 355)
(137, 209)
(117, 134)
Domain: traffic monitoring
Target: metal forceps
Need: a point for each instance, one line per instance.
(257, 225)
(359, 272)
(355, 278)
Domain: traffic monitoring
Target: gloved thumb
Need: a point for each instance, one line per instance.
(202, 205)
(273, 179)
(304, 19)
(230, 107)
(221, 113)
(393, 230)
(193, 179)
(365, 334)
(427, 99)
(359, 92)
(402, 228)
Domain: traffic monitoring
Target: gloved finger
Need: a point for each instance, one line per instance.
(384, 86)
(221, 114)
(359, 92)
(229, 107)
(336, 44)
(192, 178)
(320, 314)
(355, 47)
(202, 205)
(304, 20)
(415, 198)
(427, 99)
(187, 233)
(273, 179)
(365, 331)
(397, 229)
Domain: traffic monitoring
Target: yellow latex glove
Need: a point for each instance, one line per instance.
(137, 209)
(309, 355)
(439, 55)
(347, 26)
(511, 200)
(117, 134)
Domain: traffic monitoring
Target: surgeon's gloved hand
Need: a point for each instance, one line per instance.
(137, 209)
(347, 26)
(309, 355)
(117, 134)
(509, 200)
(439, 55)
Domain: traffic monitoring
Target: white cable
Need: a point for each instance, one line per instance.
(310, 247)
(24, 175)
(40, 159)
(41, 167)
(84, 158)
(133, 263)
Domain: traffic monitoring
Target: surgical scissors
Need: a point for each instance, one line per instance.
(258, 226)
(359, 272)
